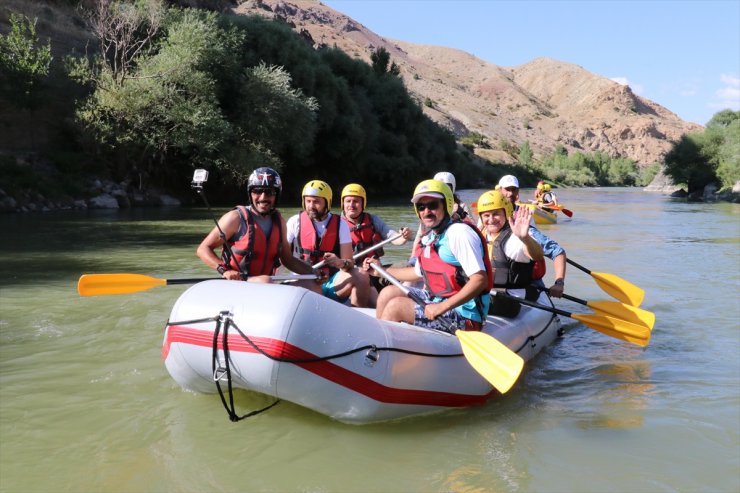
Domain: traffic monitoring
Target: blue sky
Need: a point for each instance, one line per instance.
(681, 54)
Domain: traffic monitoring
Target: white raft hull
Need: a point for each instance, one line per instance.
(365, 386)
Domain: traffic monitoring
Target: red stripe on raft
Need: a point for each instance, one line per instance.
(325, 369)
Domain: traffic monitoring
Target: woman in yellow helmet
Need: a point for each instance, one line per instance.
(511, 249)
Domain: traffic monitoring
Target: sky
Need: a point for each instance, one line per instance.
(681, 54)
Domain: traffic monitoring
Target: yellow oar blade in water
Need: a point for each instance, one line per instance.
(625, 312)
(619, 329)
(495, 362)
(618, 288)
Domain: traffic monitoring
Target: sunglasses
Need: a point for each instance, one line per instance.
(432, 206)
(267, 191)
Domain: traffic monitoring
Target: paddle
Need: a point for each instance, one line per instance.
(616, 309)
(562, 209)
(365, 251)
(615, 286)
(495, 362)
(105, 284)
(613, 327)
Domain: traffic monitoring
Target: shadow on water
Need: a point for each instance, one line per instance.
(66, 244)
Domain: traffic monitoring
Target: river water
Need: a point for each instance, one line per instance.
(86, 404)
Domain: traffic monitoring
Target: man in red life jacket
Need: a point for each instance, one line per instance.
(318, 235)
(256, 236)
(509, 186)
(367, 230)
(453, 263)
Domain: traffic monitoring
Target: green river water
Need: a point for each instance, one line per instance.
(86, 404)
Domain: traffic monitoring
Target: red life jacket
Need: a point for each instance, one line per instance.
(254, 253)
(539, 269)
(364, 235)
(311, 247)
(445, 280)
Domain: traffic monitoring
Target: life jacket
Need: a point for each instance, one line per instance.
(364, 236)
(506, 272)
(311, 247)
(254, 253)
(539, 270)
(445, 280)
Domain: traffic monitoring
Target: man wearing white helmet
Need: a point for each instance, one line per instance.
(510, 188)
(461, 208)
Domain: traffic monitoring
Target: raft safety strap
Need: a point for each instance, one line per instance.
(225, 320)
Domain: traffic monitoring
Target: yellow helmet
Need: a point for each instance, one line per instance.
(318, 188)
(492, 200)
(540, 185)
(547, 187)
(434, 188)
(356, 190)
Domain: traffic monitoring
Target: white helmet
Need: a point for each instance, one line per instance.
(508, 181)
(447, 177)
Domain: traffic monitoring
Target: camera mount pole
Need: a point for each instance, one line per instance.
(200, 176)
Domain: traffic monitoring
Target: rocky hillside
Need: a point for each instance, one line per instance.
(546, 102)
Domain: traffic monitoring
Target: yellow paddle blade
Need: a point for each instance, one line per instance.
(625, 312)
(613, 327)
(103, 284)
(618, 288)
(495, 362)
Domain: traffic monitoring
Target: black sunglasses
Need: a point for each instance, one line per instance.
(267, 191)
(432, 206)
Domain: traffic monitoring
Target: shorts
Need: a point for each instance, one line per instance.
(452, 315)
(329, 290)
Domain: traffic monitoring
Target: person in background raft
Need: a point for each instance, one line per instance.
(367, 230)
(510, 189)
(452, 261)
(460, 209)
(256, 235)
(549, 199)
(538, 192)
(316, 234)
(513, 252)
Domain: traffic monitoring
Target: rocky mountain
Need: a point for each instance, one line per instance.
(546, 102)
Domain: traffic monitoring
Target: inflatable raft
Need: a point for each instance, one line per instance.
(542, 216)
(293, 344)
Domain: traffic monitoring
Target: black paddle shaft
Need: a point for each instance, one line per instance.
(532, 304)
(578, 266)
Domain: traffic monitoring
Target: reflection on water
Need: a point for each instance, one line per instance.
(85, 398)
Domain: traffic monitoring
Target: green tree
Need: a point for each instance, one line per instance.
(24, 64)
(728, 167)
(686, 164)
(381, 62)
(163, 103)
(525, 154)
(723, 118)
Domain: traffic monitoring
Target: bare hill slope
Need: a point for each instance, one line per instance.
(546, 102)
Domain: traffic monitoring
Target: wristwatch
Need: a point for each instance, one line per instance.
(221, 269)
(559, 282)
